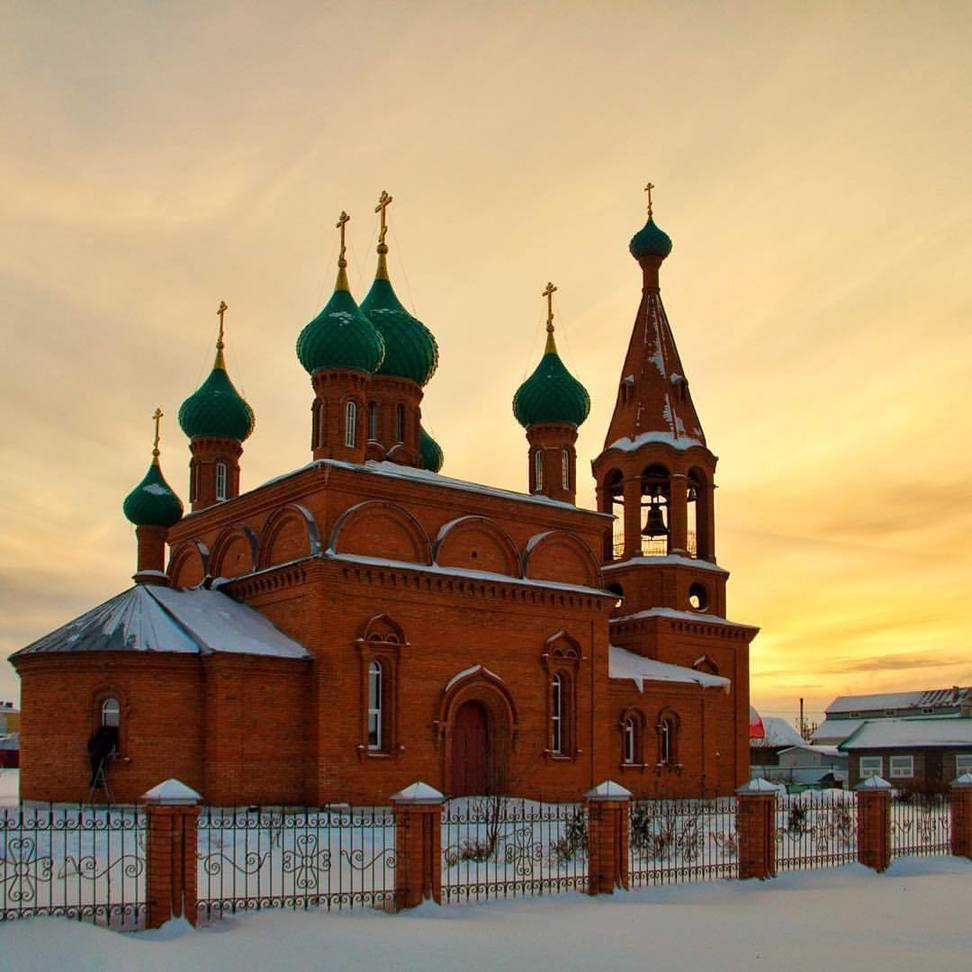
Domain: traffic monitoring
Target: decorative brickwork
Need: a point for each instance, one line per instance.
(756, 827)
(874, 824)
(608, 826)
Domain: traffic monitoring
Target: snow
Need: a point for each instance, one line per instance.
(608, 790)
(836, 730)
(627, 444)
(964, 780)
(670, 559)
(832, 751)
(925, 698)
(776, 732)
(466, 672)
(626, 664)
(172, 792)
(874, 783)
(892, 733)
(471, 574)
(152, 618)
(915, 915)
(418, 793)
(697, 616)
(9, 787)
(758, 785)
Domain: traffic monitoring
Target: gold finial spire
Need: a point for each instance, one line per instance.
(648, 189)
(220, 313)
(383, 202)
(157, 415)
(342, 278)
(548, 292)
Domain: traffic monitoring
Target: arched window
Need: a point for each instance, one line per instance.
(317, 420)
(565, 468)
(667, 740)
(350, 425)
(110, 713)
(399, 423)
(375, 706)
(373, 421)
(557, 713)
(630, 734)
(220, 481)
(193, 482)
(696, 500)
(538, 470)
(612, 501)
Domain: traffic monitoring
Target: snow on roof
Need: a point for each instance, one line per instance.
(393, 470)
(626, 444)
(172, 792)
(835, 730)
(608, 790)
(418, 792)
(910, 733)
(670, 559)
(822, 750)
(758, 785)
(459, 676)
(150, 618)
(626, 664)
(922, 699)
(777, 732)
(697, 616)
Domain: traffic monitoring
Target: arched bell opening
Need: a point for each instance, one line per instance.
(612, 501)
(618, 607)
(698, 499)
(656, 497)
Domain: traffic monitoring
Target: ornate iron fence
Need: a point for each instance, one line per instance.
(815, 829)
(682, 840)
(299, 858)
(498, 847)
(77, 862)
(920, 824)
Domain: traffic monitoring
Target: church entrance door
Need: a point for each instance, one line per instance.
(470, 751)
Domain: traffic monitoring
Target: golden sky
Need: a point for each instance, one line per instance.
(812, 164)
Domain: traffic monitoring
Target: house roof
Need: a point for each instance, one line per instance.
(921, 699)
(835, 730)
(777, 732)
(627, 664)
(910, 734)
(820, 750)
(151, 618)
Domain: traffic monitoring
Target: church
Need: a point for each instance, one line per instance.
(364, 621)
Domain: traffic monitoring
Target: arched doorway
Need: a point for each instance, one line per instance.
(471, 750)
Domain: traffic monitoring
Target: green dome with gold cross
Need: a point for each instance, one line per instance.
(153, 502)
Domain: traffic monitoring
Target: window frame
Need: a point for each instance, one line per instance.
(102, 707)
(963, 758)
(538, 470)
(557, 714)
(903, 772)
(561, 660)
(565, 469)
(221, 481)
(380, 644)
(372, 421)
(350, 423)
(865, 772)
(376, 709)
(667, 730)
(399, 424)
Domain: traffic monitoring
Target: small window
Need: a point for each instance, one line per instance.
(110, 713)
(399, 423)
(375, 707)
(193, 483)
(538, 471)
(220, 481)
(557, 714)
(902, 767)
(565, 468)
(963, 763)
(350, 423)
(667, 740)
(698, 597)
(870, 766)
(373, 421)
(630, 732)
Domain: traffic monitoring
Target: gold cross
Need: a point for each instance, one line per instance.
(342, 221)
(648, 189)
(157, 415)
(548, 292)
(223, 308)
(383, 200)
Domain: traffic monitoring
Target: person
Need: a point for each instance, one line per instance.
(102, 745)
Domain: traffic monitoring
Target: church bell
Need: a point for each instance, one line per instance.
(655, 526)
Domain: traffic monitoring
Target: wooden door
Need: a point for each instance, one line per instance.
(470, 751)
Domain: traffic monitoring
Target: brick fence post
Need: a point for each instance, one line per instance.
(960, 796)
(608, 818)
(874, 823)
(756, 829)
(172, 809)
(418, 845)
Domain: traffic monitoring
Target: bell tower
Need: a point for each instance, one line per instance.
(656, 473)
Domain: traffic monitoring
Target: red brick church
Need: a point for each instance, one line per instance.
(364, 621)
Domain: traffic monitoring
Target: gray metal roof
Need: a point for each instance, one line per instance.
(151, 618)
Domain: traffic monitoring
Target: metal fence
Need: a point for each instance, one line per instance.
(73, 862)
(682, 840)
(815, 829)
(499, 847)
(920, 824)
(299, 858)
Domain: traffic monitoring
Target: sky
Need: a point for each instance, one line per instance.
(812, 165)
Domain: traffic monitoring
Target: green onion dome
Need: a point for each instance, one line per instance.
(551, 393)
(152, 502)
(216, 409)
(410, 348)
(341, 336)
(430, 452)
(650, 241)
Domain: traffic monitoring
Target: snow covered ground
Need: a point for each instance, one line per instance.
(9, 787)
(915, 916)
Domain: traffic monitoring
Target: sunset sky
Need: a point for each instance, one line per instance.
(812, 165)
